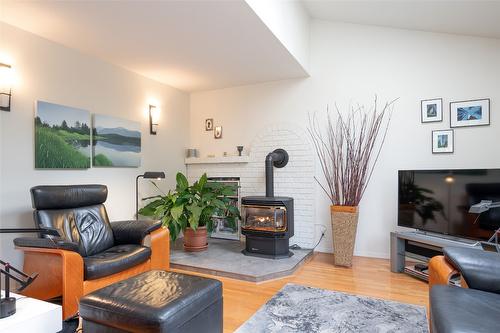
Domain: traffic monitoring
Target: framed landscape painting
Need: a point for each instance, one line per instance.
(470, 113)
(442, 141)
(431, 110)
(116, 142)
(62, 137)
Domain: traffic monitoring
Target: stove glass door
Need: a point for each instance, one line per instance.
(264, 218)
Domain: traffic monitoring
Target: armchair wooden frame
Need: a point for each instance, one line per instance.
(440, 271)
(61, 272)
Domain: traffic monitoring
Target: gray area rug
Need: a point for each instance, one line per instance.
(298, 308)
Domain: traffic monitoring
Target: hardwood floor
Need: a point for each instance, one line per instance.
(368, 276)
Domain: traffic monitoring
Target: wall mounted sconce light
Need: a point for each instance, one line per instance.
(6, 81)
(154, 116)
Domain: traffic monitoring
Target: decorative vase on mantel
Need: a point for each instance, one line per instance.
(344, 224)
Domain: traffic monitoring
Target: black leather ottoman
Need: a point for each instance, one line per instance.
(155, 301)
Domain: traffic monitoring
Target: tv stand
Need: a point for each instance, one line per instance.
(461, 241)
(421, 246)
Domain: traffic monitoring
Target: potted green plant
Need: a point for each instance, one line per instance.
(190, 209)
(348, 149)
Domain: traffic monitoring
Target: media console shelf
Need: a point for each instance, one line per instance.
(420, 246)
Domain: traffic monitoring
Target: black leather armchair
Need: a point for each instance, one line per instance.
(474, 308)
(91, 252)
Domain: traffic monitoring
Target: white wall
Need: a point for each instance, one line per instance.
(51, 72)
(289, 22)
(350, 64)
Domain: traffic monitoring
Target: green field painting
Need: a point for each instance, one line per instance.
(62, 137)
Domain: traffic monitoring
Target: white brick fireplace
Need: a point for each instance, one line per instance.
(295, 180)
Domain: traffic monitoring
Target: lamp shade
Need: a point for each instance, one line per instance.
(154, 175)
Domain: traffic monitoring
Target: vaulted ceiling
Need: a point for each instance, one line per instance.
(190, 45)
(464, 17)
(212, 44)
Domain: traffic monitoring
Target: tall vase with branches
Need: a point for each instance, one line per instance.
(348, 148)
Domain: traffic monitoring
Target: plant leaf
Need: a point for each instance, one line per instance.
(150, 208)
(194, 217)
(203, 181)
(231, 222)
(234, 211)
(176, 212)
(219, 203)
(182, 182)
(227, 191)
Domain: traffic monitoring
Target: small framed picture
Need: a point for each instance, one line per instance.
(432, 110)
(209, 124)
(470, 113)
(442, 141)
(218, 132)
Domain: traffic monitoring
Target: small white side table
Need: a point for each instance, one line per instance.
(32, 315)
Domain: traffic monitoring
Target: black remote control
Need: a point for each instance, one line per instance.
(421, 267)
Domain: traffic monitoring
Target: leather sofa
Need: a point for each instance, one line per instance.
(91, 252)
(474, 307)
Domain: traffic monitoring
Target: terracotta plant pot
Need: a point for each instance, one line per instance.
(344, 225)
(195, 241)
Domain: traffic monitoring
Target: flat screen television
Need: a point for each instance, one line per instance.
(439, 201)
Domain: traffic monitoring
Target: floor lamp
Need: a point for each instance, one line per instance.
(146, 175)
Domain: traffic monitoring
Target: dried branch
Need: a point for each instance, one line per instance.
(348, 150)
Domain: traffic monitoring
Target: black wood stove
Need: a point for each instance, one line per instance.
(267, 222)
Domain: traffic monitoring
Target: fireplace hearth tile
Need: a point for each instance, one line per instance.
(224, 258)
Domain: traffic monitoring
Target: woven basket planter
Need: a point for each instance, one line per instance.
(344, 225)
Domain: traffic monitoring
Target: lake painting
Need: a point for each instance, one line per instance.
(62, 137)
(116, 142)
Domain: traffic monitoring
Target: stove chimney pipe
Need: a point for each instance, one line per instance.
(277, 158)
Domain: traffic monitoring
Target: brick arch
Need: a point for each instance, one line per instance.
(295, 180)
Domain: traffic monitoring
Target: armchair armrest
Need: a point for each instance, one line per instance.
(480, 269)
(133, 231)
(47, 243)
(440, 271)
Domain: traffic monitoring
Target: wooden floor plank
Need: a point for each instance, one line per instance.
(368, 277)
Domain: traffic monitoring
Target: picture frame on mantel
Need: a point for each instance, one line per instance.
(431, 110)
(443, 141)
(470, 113)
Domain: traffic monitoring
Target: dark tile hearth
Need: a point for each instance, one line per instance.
(224, 258)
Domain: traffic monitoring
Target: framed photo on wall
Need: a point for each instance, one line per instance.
(218, 132)
(209, 124)
(431, 110)
(442, 141)
(470, 113)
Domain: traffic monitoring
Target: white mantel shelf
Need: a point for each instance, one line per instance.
(216, 160)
